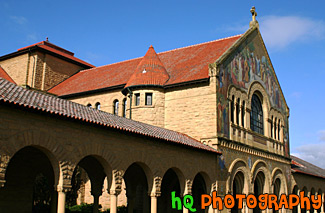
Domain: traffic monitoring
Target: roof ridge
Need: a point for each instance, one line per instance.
(229, 37)
(207, 42)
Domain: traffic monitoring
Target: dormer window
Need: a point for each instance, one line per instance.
(257, 115)
(97, 105)
(89, 105)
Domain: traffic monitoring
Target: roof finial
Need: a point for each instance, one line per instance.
(47, 39)
(254, 21)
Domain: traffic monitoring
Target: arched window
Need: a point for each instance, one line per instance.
(115, 107)
(243, 114)
(272, 127)
(275, 128)
(279, 138)
(97, 105)
(237, 111)
(124, 107)
(89, 105)
(232, 109)
(257, 115)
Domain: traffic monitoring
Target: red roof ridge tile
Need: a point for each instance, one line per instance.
(199, 44)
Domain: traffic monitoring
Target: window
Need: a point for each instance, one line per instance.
(257, 115)
(115, 107)
(137, 99)
(124, 107)
(237, 111)
(148, 99)
(243, 114)
(279, 130)
(97, 105)
(89, 105)
(232, 109)
(272, 127)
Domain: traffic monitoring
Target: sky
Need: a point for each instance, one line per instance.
(104, 32)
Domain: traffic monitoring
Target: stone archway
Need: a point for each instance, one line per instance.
(136, 182)
(90, 169)
(199, 187)
(30, 182)
(237, 188)
(259, 183)
(170, 183)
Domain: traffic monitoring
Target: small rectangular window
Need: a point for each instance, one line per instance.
(137, 99)
(148, 99)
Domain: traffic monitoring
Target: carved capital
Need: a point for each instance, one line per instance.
(156, 190)
(117, 182)
(64, 189)
(67, 169)
(4, 160)
(188, 187)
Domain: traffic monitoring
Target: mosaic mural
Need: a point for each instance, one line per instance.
(247, 65)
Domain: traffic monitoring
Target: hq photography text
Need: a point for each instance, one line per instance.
(263, 201)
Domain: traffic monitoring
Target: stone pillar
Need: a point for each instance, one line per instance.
(116, 188)
(187, 191)
(96, 192)
(62, 190)
(155, 193)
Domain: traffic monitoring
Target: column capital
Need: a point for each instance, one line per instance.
(156, 189)
(188, 187)
(65, 188)
(117, 178)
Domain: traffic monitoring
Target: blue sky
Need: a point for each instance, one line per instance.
(103, 32)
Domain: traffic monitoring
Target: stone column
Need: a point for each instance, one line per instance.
(155, 193)
(62, 190)
(187, 191)
(116, 188)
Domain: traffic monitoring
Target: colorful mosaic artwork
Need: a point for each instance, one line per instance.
(248, 65)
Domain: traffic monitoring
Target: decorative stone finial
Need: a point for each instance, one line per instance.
(47, 39)
(254, 22)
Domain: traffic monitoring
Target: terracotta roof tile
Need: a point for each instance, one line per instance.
(4, 74)
(150, 71)
(57, 50)
(15, 95)
(182, 65)
(301, 166)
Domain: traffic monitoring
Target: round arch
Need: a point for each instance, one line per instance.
(260, 166)
(239, 165)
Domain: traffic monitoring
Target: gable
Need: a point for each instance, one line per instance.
(245, 65)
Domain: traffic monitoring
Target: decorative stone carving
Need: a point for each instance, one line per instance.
(156, 190)
(4, 160)
(188, 186)
(67, 169)
(117, 182)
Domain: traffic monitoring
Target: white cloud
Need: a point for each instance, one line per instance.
(312, 153)
(281, 31)
(322, 136)
(19, 20)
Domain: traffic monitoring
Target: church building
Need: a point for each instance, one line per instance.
(192, 120)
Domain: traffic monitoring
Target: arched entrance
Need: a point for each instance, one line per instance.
(237, 188)
(276, 191)
(138, 200)
(198, 188)
(169, 184)
(295, 191)
(258, 188)
(29, 182)
(88, 169)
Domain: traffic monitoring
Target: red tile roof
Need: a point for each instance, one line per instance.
(57, 50)
(182, 65)
(300, 166)
(16, 95)
(4, 74)
(150, 71)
